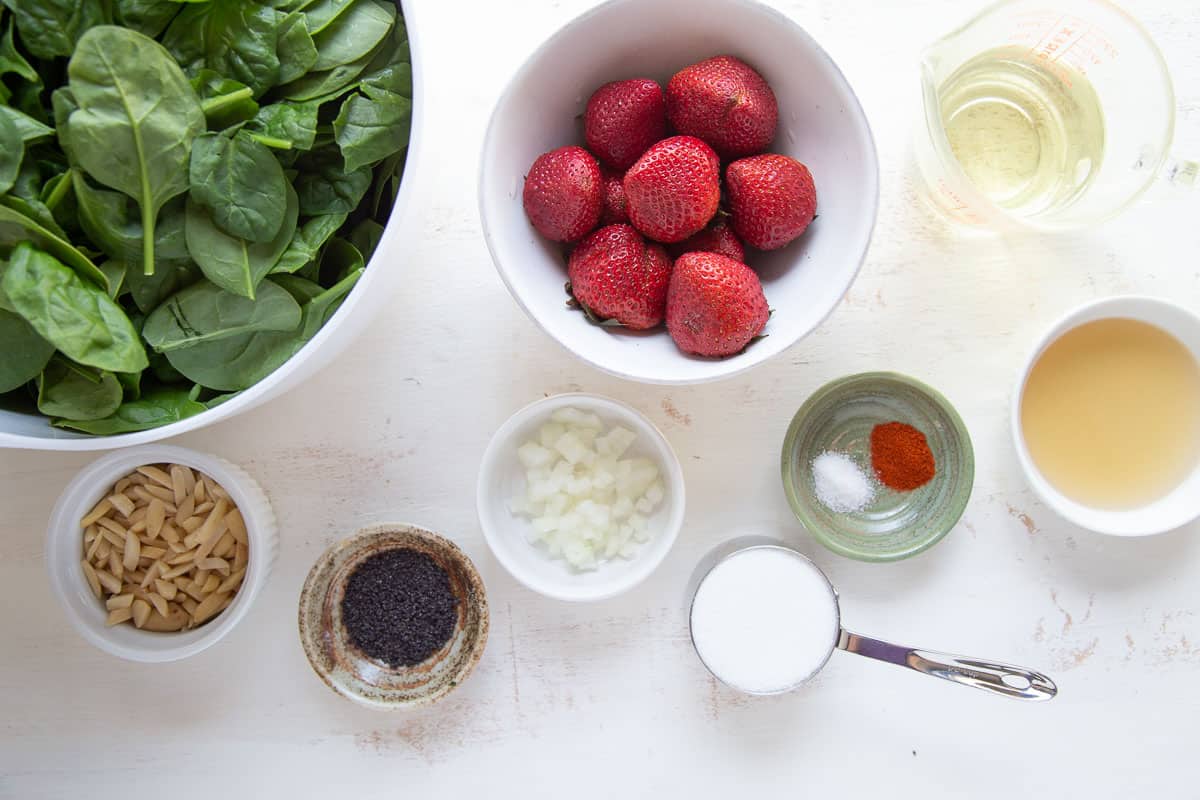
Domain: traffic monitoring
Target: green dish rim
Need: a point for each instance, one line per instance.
(954, 511)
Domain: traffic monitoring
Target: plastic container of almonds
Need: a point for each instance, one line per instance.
(202, 574)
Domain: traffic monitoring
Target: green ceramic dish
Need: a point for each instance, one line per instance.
(839, 417)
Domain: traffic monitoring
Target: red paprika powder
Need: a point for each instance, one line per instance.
(901, 457)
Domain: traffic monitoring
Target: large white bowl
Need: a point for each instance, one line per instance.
(820, 123)
(374, 289)
(1182, 504)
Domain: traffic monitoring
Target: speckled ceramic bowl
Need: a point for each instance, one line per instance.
(839, 418)
(351, 673)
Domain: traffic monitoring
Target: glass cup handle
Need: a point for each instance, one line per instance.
(990, 676)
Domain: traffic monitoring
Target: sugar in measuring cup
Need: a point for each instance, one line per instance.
(764, 620)
(1046, 115)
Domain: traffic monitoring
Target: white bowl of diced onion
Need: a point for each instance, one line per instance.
(580, 497)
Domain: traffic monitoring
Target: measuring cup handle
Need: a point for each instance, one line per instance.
(1183, 172)
(990, 676)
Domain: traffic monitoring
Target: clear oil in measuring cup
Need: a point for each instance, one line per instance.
(1027, 132)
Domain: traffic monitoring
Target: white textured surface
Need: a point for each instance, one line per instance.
(592, 700)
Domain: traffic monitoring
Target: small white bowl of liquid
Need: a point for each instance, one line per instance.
(1106, 418)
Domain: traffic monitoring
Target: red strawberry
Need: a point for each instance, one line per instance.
(715, 305)
(617, 275)
(726, 103)
(772, 199)
(563, 194)
(674, 188)
(716, 238)
(616, 208)
(622, 119)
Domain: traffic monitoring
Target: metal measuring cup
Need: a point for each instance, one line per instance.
(991, 676)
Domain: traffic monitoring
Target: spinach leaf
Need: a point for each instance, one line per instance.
(225, 102)
(354, 33)
(79, 319)
(296, 50)
(339, 260)
(12, 152)
(65, 390)
(36, 210)
(307, 243)
(155, 408)
(115, 272)
(238, 362)
(25, 353)
(291, 125)
(326, 84)
(131, 385)
(323, 12)
(11, 60)
(110, 221)
(240, 184)
(150, 17)
(235, 38)
(29, 128)
(136, 120)
(324, 185)
(301, 289)
(204, 312)
(369, 129)
(366, 236)
(17, 227)
(150, 290)
(51, 28)
(232, 263)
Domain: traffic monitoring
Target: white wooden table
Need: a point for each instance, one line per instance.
(594, 700)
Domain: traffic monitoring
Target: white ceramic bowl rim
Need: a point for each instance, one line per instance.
(351, 317)
(64, 542)
(551, 577)
(773, 344)
(1182, 504)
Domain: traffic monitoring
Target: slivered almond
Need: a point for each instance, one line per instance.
(169, 533)
(186, 557)
(166, 589)
(177, 571)
(121, 503)
(167, 624)
(192, 590)
(112, 525)
(111, 583)
(166, 495)
(225, 546)
(97, 540)
(214, 563)
(211, 584)
(133, 551)
(177, 547)
(122, 485)
(118, 601)
(115, 566)
(113, 538)
(160, 605)
(208, 606)
(178, 483)
(237, 526)
(216, 490)
(204, 507)
(201, 493)
(191, 524)
(118, 615)
(232, 582)
(151, 573)
(139, 513)
(241, 557)
(185, 509)
(103, 550)
(157, 475)
(189, 605)
(139, 526)
(141, 612)
(156, 515)
(98, 511)
(152, 552)
(89, 572)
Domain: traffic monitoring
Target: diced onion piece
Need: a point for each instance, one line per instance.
(585, 501)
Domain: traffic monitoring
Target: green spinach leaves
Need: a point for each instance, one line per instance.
(188, 192)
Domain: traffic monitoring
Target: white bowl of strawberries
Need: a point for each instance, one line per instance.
(677, 197)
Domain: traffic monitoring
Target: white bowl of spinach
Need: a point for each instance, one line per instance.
(190, 194)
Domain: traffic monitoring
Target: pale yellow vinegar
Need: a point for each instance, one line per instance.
(1111, 413)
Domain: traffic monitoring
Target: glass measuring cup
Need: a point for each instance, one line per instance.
(1101, 134)
(826, 634)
